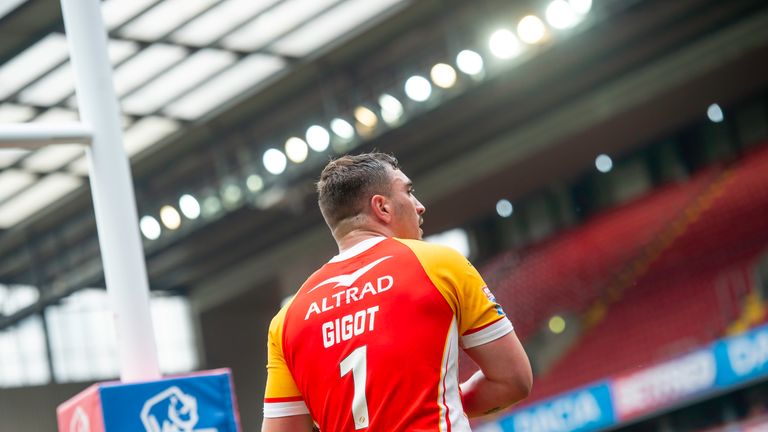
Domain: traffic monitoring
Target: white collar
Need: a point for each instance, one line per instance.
(357, 249)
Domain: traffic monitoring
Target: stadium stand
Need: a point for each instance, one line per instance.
(681, 276)
(556, 275)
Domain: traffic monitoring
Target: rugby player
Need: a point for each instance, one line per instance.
(371, 339)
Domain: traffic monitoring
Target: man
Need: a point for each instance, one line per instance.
(371, 339)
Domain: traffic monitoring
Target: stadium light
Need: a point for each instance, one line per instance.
(318, 138)
(418, 88)
(254, 183)
(189, 206)
(561, 15)
(366, 121)
(391, 109)
(274, 161)
(342, 129)
(531, 29)
(469, 62)
(504, 208)
(150, 227)
(503, 44)
(296, 149)
(211, 206)
(231, 194)
(603, 163)
(170, 217)
(715, 113)
(443, 75)
(366, 117)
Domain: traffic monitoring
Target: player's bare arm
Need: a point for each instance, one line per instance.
(504, 377)
(297, 423)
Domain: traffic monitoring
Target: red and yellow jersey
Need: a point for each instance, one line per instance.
(371, 339)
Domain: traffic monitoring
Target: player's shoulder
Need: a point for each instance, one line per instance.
(434, 254)
(278, 320)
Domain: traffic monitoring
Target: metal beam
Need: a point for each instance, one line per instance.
(33, 136)
(112, 189)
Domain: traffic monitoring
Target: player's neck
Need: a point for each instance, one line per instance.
(358, 235)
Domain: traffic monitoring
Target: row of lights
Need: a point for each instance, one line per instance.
(230, 196)
(170, 217)
(503, 44)
(191, 208)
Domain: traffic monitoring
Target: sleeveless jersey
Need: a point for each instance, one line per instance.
(370, 341)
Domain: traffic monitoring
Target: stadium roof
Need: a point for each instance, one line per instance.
(176, 62)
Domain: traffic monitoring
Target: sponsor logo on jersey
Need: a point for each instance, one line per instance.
(489, 294)
(492, 298)
(346, 280)
(350, 295)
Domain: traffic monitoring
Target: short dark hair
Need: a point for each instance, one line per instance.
(347, 183)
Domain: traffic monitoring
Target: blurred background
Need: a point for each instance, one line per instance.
(603, 163)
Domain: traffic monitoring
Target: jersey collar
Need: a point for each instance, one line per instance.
(357, 249)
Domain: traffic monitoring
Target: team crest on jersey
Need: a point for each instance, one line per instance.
(492, 298)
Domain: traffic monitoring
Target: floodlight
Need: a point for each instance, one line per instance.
(418, 88)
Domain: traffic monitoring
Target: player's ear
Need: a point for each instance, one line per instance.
(381, 208)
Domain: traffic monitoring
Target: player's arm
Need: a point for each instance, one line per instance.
(284, 407)
(504, 377)
(486, 333)
(296, 423)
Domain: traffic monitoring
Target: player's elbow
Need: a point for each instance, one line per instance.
(525, 384)
(518, 384)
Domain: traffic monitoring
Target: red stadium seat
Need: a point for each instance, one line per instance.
(692, 289)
